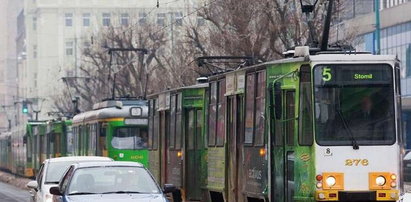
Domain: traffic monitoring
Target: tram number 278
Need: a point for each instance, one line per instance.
(356, 162)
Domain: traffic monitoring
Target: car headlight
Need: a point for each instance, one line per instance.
(331, 181)
(380, 180)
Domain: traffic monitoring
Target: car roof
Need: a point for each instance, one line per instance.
(108, 164)
(79, 158)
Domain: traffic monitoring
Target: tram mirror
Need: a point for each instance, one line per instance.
(278, 100)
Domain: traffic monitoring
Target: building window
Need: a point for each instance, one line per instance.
(179, 19)
(35, 80)
(142, 18)
(34, 23)
(106, 19)
(124, 19)
(86, 19)
(69, 19)
(86, 44)
(69, 48)
(200, 21)
(161, 19)
(34, 51)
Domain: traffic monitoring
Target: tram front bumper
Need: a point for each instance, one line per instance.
(336, 195)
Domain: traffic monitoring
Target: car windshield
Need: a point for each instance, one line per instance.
(115, 179)
(133, 138)
(55, 171)
(354, 105)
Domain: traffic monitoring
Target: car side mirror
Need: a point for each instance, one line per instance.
(169, 188)
(32, 185)
(55, 191)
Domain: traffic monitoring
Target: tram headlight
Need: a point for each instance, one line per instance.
(393, 177)
(331, 181)
(319, 185)
(380, 180)
(393, 184)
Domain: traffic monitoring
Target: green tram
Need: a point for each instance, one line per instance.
(43, 140)
(322, 127)
(6, 160)
(117, 129)
(177, 139)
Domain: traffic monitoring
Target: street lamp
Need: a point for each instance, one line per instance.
(307, 7)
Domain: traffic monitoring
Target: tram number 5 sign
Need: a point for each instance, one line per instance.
(356, 162)
(327, 74)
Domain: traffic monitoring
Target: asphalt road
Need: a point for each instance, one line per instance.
(9, 193)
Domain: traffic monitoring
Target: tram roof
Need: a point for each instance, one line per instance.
(326, 57)
(196, 86)
(110, 112)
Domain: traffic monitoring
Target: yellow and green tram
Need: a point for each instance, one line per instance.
(177, 139)
(117, 129)
(322, 127)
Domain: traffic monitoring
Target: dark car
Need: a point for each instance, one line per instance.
(109, 181)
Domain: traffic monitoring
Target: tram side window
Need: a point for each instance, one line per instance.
(199, 126)
(212, 114)
(221, 114)
(151, 124)
(172, 128)
(290, 114)
(249, 113)
(305, 137)
(178, 122)
(156, 129)
(260, 109)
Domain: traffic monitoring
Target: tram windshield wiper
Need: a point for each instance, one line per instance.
(346, 127)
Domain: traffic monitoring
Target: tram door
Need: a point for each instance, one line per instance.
(163, 147)
(193, 128)
(234, 131)
(283, 166)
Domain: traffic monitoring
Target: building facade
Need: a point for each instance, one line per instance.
(9, 99)
(57, 30)
(359, 20)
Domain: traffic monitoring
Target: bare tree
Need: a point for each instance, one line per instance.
(124, 73)
(259, 28)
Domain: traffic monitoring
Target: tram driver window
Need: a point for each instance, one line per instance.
(130, 138)
(356, 106)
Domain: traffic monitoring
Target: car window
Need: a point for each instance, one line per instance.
(407, 156)
(56, 170)
(39, 177)
(101, 180)
(66, 179)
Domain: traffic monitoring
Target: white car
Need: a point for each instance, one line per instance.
(51, 172)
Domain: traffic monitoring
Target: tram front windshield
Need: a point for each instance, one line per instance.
(131, 138)
(354, 104)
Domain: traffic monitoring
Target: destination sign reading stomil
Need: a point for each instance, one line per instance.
(343, 75)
